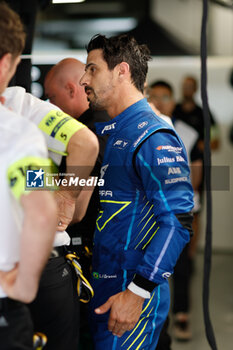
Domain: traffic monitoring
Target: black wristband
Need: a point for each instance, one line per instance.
(144, 283)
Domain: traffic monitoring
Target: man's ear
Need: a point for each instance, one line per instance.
(5, 64)
(123, 69)
(70, 87)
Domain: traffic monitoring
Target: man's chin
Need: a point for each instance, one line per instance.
(95, 107)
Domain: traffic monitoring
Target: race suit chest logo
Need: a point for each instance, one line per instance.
(103, 193)
(140, 138)
(108, 127)
(169, 148)
(103, 170)
(35, 178)
(121, 144)
(142, 124)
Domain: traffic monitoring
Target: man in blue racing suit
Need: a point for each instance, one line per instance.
(145, 219)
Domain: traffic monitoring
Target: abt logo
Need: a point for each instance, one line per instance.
(35, 178)
(108, 127)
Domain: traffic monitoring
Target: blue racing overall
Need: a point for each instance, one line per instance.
(138, 236)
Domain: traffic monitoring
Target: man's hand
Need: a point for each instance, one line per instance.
(7, 281)
(66, 207)
(126, 308)
(11, 286)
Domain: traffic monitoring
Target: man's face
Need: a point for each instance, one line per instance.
(57, 94)
(14, 63)
(99, 82)
(8, 70)
(162, 99)
(188, 88)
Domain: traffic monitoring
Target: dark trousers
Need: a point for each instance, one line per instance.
(181, 282)
(16, 329)
(55, 311)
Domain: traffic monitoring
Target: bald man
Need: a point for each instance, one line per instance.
(63, 89)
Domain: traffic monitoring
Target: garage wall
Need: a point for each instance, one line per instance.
(182, 18)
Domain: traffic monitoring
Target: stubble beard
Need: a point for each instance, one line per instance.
(94, 104)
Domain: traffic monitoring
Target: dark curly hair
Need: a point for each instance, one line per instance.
(12, 35)
(124, 48)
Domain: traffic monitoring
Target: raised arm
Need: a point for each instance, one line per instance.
(82, 152)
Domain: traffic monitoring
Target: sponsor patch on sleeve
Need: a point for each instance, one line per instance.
(176, 180)
(60, 125)
(169, 148)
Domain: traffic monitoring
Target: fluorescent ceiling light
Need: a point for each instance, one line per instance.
(66, 1)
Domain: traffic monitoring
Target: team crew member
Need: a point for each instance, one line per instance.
(68, 141)
(55, 311)
(145, 203)
(63, 89)
(28, 219)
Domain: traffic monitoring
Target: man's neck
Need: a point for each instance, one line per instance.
(124, 100)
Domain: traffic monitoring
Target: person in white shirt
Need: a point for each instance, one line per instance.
(28, 219)
(73, 149)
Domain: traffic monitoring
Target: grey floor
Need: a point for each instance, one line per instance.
(221, 305)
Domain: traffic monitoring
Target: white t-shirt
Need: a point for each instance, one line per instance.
(22, 144)
(188, 135)
(167, 119)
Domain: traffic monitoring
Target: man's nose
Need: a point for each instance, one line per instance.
(82, 81)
